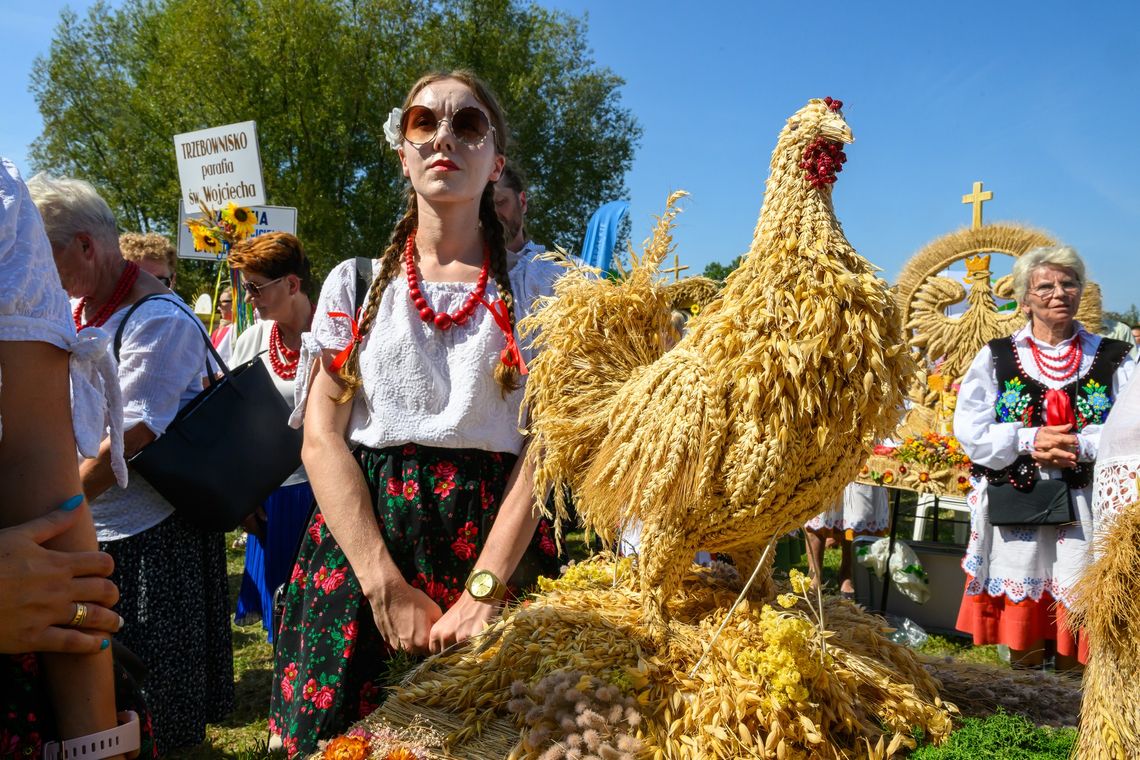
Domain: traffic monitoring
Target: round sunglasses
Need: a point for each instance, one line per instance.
(419, 125)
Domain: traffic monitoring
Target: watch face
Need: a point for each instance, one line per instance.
(482, 584)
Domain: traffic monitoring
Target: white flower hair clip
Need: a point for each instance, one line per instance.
(392, 129)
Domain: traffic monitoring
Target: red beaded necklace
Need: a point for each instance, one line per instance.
(282, 359)
(122, 287)
(443, 320)
(1058, 368)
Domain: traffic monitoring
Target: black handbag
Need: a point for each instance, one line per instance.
(1047, 502)
(227, 449)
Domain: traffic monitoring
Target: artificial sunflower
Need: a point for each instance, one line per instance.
(240, 219)
(205, 239)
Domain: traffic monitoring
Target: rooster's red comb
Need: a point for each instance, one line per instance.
(834, 105)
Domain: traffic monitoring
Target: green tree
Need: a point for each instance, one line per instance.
(319, 77)
(716, 271)
(1130, 317)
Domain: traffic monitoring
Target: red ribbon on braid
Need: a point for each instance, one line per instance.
(342, 357)
(511, 355)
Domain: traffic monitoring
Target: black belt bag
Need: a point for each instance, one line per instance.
(1048, 502)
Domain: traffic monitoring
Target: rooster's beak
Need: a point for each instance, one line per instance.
(838, 132)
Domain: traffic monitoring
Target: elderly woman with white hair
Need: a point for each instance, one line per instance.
(1029, 416)
(171, 576)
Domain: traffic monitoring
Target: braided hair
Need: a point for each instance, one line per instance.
(506, 376)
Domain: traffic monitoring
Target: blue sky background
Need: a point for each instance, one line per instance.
(1039, 100)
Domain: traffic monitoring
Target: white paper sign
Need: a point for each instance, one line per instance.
(268, 219)
(219, 165)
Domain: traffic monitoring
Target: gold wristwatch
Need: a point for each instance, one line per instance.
(485, 586)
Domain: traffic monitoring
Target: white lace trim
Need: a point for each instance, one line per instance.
(1115, 486)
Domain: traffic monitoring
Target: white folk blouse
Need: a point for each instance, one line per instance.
(1022, 562)
(421, 384)
(34, 307)
(162, 366)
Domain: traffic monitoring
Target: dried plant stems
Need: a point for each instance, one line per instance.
(1105, 604)
(869, 689)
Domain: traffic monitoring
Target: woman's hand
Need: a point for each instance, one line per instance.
(405, 616)
(466, 618)
(39, 589)
(1055, 446)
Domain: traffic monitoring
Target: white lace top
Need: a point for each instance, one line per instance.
(421, 384)
(1116, 483)
(34, 307)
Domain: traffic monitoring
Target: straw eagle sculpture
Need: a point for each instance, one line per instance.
(757, 418)
(958, 340)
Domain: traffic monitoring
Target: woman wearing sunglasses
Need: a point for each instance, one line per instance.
(412, 443)
(276, 280)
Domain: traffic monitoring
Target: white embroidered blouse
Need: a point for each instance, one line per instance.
(421, 384)
(34, 307)
(162, 366)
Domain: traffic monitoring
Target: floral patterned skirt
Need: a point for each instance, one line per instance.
(27, 717)
(434, 508)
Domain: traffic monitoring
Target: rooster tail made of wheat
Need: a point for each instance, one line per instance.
(591, 337)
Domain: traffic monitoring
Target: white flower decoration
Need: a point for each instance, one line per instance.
(392, 129)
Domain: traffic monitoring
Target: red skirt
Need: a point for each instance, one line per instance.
(1019, 625)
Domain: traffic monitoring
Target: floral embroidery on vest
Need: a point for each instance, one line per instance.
(1013, 403)
(1093, 404)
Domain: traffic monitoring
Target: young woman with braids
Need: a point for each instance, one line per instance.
(412, 442)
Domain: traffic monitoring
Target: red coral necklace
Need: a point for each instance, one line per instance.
(1058, 368)
(443, 320)
(282, 359)
(122, 287)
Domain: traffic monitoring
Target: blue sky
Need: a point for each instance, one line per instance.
(1038, 100)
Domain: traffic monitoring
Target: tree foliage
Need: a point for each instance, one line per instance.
(717, 271)
(1130, 317)
(319, 77)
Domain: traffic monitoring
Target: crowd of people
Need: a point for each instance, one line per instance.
(411, 518)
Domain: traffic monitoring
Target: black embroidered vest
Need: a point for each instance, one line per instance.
(1021, 398)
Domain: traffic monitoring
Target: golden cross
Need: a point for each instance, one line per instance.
(676, 269)
(977, 198)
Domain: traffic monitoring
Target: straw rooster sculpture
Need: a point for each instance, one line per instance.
(758, 417)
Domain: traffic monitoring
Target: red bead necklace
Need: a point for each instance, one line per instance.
(122, 287)
(443, 320)
(1058, 368)
(282, 359)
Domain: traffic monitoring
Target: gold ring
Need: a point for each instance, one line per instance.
(80, 615)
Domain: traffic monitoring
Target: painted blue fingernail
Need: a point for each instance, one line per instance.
(106, 643)
(72, 503)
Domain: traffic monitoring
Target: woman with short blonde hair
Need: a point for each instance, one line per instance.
(1030, 409)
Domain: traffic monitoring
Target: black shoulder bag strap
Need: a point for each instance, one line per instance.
(363, 281)
(211, 351)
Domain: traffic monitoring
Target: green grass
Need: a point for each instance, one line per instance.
(242, 735)
(1002, 737)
